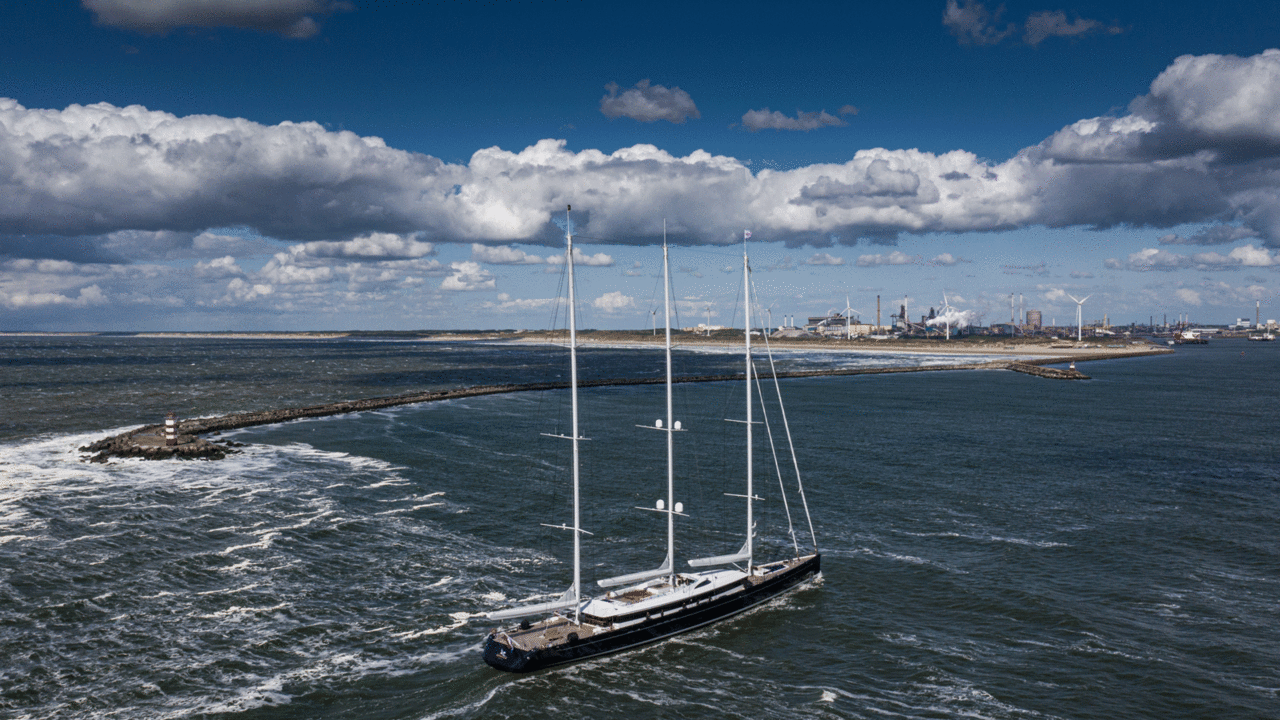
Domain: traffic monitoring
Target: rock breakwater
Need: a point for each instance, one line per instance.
(147, 442)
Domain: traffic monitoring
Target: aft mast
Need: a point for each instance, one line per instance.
(745, 554)
(573, 392)
(672, 507)
(746, 293)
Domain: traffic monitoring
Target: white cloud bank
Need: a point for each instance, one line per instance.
(1202, 146)
(20, 300)
(1245, 256)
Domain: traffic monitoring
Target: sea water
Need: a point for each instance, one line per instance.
(995, 545)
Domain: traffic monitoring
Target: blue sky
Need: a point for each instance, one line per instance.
(312, 164)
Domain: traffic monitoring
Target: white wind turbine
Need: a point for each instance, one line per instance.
(946, 308)
(848, 313)
(1079, 316)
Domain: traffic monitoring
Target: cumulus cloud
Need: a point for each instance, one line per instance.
(223, 267)
(1207, 110)
(612, 302)
(468, 276)
(503, 255)
(111, 184)
(97, 169)
(972, 24)
(291, 18)
(1055, 295)
(365, 264)
(824, 259)
(506, 303)
(1250, 256)
(755, 120)
(1190, 297)
(1147, 259)
(284, 269)
(20, 300)
(648, 103)
(374, 246)
(581, 258)
(880, 182)
(896, 257)
(1043, 25)
(946, 259)
(240, 290)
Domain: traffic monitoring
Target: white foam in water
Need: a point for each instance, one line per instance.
(269, 693)
(261, 544)
(225, 591)
(237, 611)
(459, 620)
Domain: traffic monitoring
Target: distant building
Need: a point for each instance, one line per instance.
(790, 332)
(1033, 319)
(837, 325)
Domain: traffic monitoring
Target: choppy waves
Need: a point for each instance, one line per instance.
(172, 589)
(996, 547)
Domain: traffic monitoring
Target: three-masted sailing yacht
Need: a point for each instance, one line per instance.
(651, 605)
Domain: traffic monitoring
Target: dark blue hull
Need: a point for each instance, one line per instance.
(604, 641)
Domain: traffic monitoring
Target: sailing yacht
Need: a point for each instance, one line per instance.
(648, 606)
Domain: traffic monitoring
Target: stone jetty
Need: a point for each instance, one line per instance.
(149, 442)
(1070, 373)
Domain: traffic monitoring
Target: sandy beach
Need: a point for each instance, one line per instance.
(971, 346)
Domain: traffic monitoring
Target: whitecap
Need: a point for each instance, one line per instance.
(263, 543)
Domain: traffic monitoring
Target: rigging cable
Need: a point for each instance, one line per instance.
(786, 425)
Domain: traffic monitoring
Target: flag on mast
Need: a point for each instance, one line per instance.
(746, 234)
